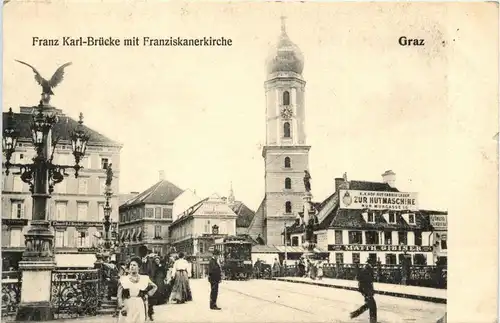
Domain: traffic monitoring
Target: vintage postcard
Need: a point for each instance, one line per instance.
(175, 161)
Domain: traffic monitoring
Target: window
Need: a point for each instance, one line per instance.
(102, 185)
(288, 183)
(286, 98)
(59, 239)
(295, 241)
(390, 259)
(418, 238)
(82, 211)
(202, 247)
(100, 214)
(387, 237)
(419, 259)
(18, 184)
(402, 258)
(104, 163)
(61, 211)
(288, 207)
(444, 244)
(339, 257)
(207, 226)
(17, 210)
(355, 258)
(411, 218)
(355, 237)
(166, 213)
(16, 237)
(371, 217)
(81, 239)
(402, 238)
(157, 232)
(372, 257)
(287, 162)
(149, 212)
(371, 237)
(158, 213)
(286, 130)
(83, 185)
(5, 236)
(338, 237)
(392, 217)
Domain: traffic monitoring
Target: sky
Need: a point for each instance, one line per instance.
(198, 113)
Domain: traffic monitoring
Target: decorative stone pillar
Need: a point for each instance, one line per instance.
(308, 223)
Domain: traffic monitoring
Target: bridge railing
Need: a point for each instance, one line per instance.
(11, 293)
(425, 276)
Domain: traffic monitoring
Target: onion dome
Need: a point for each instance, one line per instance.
(286, 56)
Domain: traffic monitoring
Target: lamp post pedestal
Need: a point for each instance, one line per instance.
(37, 266)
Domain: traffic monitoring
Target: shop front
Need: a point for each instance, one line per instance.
(385, 254)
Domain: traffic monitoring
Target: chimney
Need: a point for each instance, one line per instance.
(161, 175)
(389, 177)
(338, 182)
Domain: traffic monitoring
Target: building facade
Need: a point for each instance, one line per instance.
(145, 219)
(195, 231)
(76, 208)
(286, 153)
(363, 220)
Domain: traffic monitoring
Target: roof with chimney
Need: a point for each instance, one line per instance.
(353, 219)
(61, 131)
(163, 192)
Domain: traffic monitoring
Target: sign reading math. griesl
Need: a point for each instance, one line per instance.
(374, 200)
(439, 222)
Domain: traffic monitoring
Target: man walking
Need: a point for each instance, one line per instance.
(214, 277)
(365, 283)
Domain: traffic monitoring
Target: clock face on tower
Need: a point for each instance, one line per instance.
(286, 112)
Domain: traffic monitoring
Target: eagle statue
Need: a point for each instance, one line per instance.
(48, 85)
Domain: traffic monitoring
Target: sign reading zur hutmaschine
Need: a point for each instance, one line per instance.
(374, 200)
(396, 248)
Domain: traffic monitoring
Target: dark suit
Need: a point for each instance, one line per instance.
(365, 284)
(214, 277)
(147, 268)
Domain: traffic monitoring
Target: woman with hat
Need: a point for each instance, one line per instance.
(133, 292)
(181, 291)
(159, 275)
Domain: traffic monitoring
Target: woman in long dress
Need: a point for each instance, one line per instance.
(133, 293)
(181, 291)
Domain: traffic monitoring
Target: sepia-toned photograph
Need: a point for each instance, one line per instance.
(249, 162)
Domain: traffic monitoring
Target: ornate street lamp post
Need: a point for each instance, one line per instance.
(41, 175)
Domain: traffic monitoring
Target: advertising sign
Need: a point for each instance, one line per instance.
(374, 200)
(439, 222)
(396, 248)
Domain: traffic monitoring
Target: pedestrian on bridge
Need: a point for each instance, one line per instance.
(214, 277)
(365, 283)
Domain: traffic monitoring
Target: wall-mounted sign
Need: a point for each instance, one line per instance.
(76, 223)
(439, 222)
(387, 248)
(374, 200)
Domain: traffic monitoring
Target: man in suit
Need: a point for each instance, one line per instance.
(147, 269)
(365, 284)
(214, 277)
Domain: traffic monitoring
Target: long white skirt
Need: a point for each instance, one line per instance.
(136, 311)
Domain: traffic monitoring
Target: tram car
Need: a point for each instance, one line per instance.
(236, 257)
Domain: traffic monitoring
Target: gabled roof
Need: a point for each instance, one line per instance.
(244, 213)
(343, 218)
(162, 192)
(61, 129)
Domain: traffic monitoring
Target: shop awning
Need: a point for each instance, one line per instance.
(139, 234)
(297, 249)
(127, 236)
(132, 237)
(122, 235)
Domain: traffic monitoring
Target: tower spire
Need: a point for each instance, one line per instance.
(230, 198)
(283, 25)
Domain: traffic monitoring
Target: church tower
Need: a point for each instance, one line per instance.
(286, 153)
